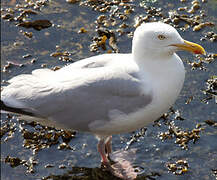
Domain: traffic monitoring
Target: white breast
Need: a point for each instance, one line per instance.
(165, 79)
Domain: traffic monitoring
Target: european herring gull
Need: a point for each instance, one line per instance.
(106, 94)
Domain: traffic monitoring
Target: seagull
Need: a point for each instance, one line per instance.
(106, 94)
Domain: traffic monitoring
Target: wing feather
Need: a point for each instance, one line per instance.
(77, 98)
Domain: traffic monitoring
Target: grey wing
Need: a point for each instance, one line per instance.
(97, 100)
(74, 101)
(26, 91)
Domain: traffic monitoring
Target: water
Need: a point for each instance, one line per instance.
(152, 154)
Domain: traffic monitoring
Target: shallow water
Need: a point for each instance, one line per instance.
(152, 155)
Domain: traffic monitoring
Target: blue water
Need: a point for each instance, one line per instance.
(152, 154)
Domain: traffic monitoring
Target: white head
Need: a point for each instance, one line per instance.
(158, 39)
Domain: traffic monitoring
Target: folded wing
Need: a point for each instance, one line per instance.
(75, 98)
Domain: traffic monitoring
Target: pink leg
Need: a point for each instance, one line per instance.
(101, 150)
(108, 145)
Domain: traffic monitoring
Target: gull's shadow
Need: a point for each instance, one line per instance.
(84, 173)
(122, 166)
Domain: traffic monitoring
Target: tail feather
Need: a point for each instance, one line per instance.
(15, 110)
(28, 116)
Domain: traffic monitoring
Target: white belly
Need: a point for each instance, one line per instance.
(166, 81)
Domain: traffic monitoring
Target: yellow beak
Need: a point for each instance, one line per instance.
(191, 47)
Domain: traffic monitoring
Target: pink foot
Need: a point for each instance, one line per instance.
(120, 168)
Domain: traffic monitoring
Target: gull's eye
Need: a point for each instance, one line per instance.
(161, 37)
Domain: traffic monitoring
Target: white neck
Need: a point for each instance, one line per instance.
(165, 74)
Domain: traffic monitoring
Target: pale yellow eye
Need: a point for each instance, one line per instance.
(161, 37)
